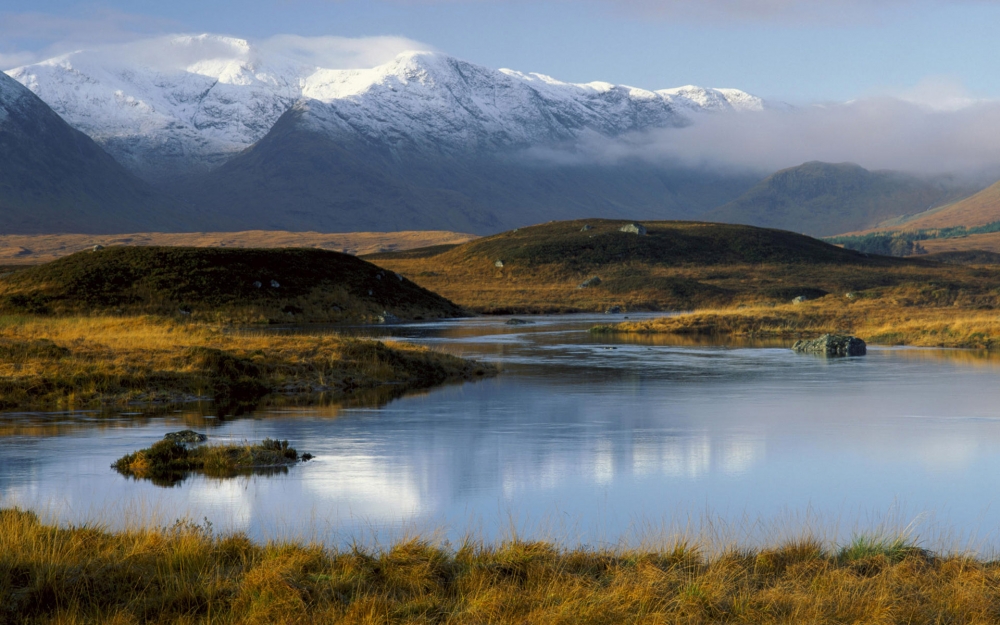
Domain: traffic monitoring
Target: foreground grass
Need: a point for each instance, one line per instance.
(81, 361)
(186, 574)
(875, 321)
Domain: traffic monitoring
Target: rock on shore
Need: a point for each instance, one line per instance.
(832, 345)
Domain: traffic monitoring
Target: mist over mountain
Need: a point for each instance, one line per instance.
(176, 105)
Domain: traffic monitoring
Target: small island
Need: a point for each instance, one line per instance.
(179, 454)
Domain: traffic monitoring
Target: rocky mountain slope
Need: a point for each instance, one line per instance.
(56, 179)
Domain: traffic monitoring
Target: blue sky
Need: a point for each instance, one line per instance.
(796, 50)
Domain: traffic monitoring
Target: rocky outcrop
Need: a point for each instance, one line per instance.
(633, 228)
(832, 345)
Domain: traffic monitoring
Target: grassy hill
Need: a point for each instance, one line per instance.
(247, 285)
(977, 210)
(823, 199)
(675, 266)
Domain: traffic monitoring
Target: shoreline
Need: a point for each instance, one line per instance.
(875, 321)
(87, 362)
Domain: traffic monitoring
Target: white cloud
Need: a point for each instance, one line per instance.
(933, 136)
(340, 52)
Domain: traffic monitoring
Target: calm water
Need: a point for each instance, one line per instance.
(582, 438)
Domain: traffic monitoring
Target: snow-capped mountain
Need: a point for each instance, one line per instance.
(180, 104)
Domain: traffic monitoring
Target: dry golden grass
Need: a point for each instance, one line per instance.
(17, 249)
(186, 574)
(877, 321)
(79, 361)
(989, 242)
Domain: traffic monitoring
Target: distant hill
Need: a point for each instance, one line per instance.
(976, 210)
(675, 265)
(255, 285)
(56, 179)
(823, 199)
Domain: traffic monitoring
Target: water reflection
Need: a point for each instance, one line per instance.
(594, 431)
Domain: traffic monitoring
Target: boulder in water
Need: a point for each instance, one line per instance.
(185, 436)
(832, 345)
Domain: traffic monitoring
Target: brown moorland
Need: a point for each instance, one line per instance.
(33, 249)
(220, 285)
(678, 266)
(187, 573)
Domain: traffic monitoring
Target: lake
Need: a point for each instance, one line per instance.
(582, 438)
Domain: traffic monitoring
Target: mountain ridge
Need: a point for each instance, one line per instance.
(163, 119)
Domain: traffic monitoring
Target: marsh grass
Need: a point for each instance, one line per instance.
(66, 362)
(873, 320)
(187, 572)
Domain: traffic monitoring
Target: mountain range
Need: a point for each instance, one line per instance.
(219, 134)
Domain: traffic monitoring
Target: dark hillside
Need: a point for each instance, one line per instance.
(54, 178)
(671, 243)
(590, 264)
(245, 284)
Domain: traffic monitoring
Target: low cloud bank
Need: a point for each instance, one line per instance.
(876, 133)
(174, 52)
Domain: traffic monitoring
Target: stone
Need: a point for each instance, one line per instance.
(185, 436)
(514, 321)
(274, 284)
(800, 299)
(257, 284)
(589, 282)
(832, 345)
(851, 295)
(498, 263)
(98, 248)
(614, 310)
(585, 228)
(387, 317)
(399, 277)
(633, 228)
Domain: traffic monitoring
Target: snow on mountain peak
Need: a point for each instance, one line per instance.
(167, 105)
